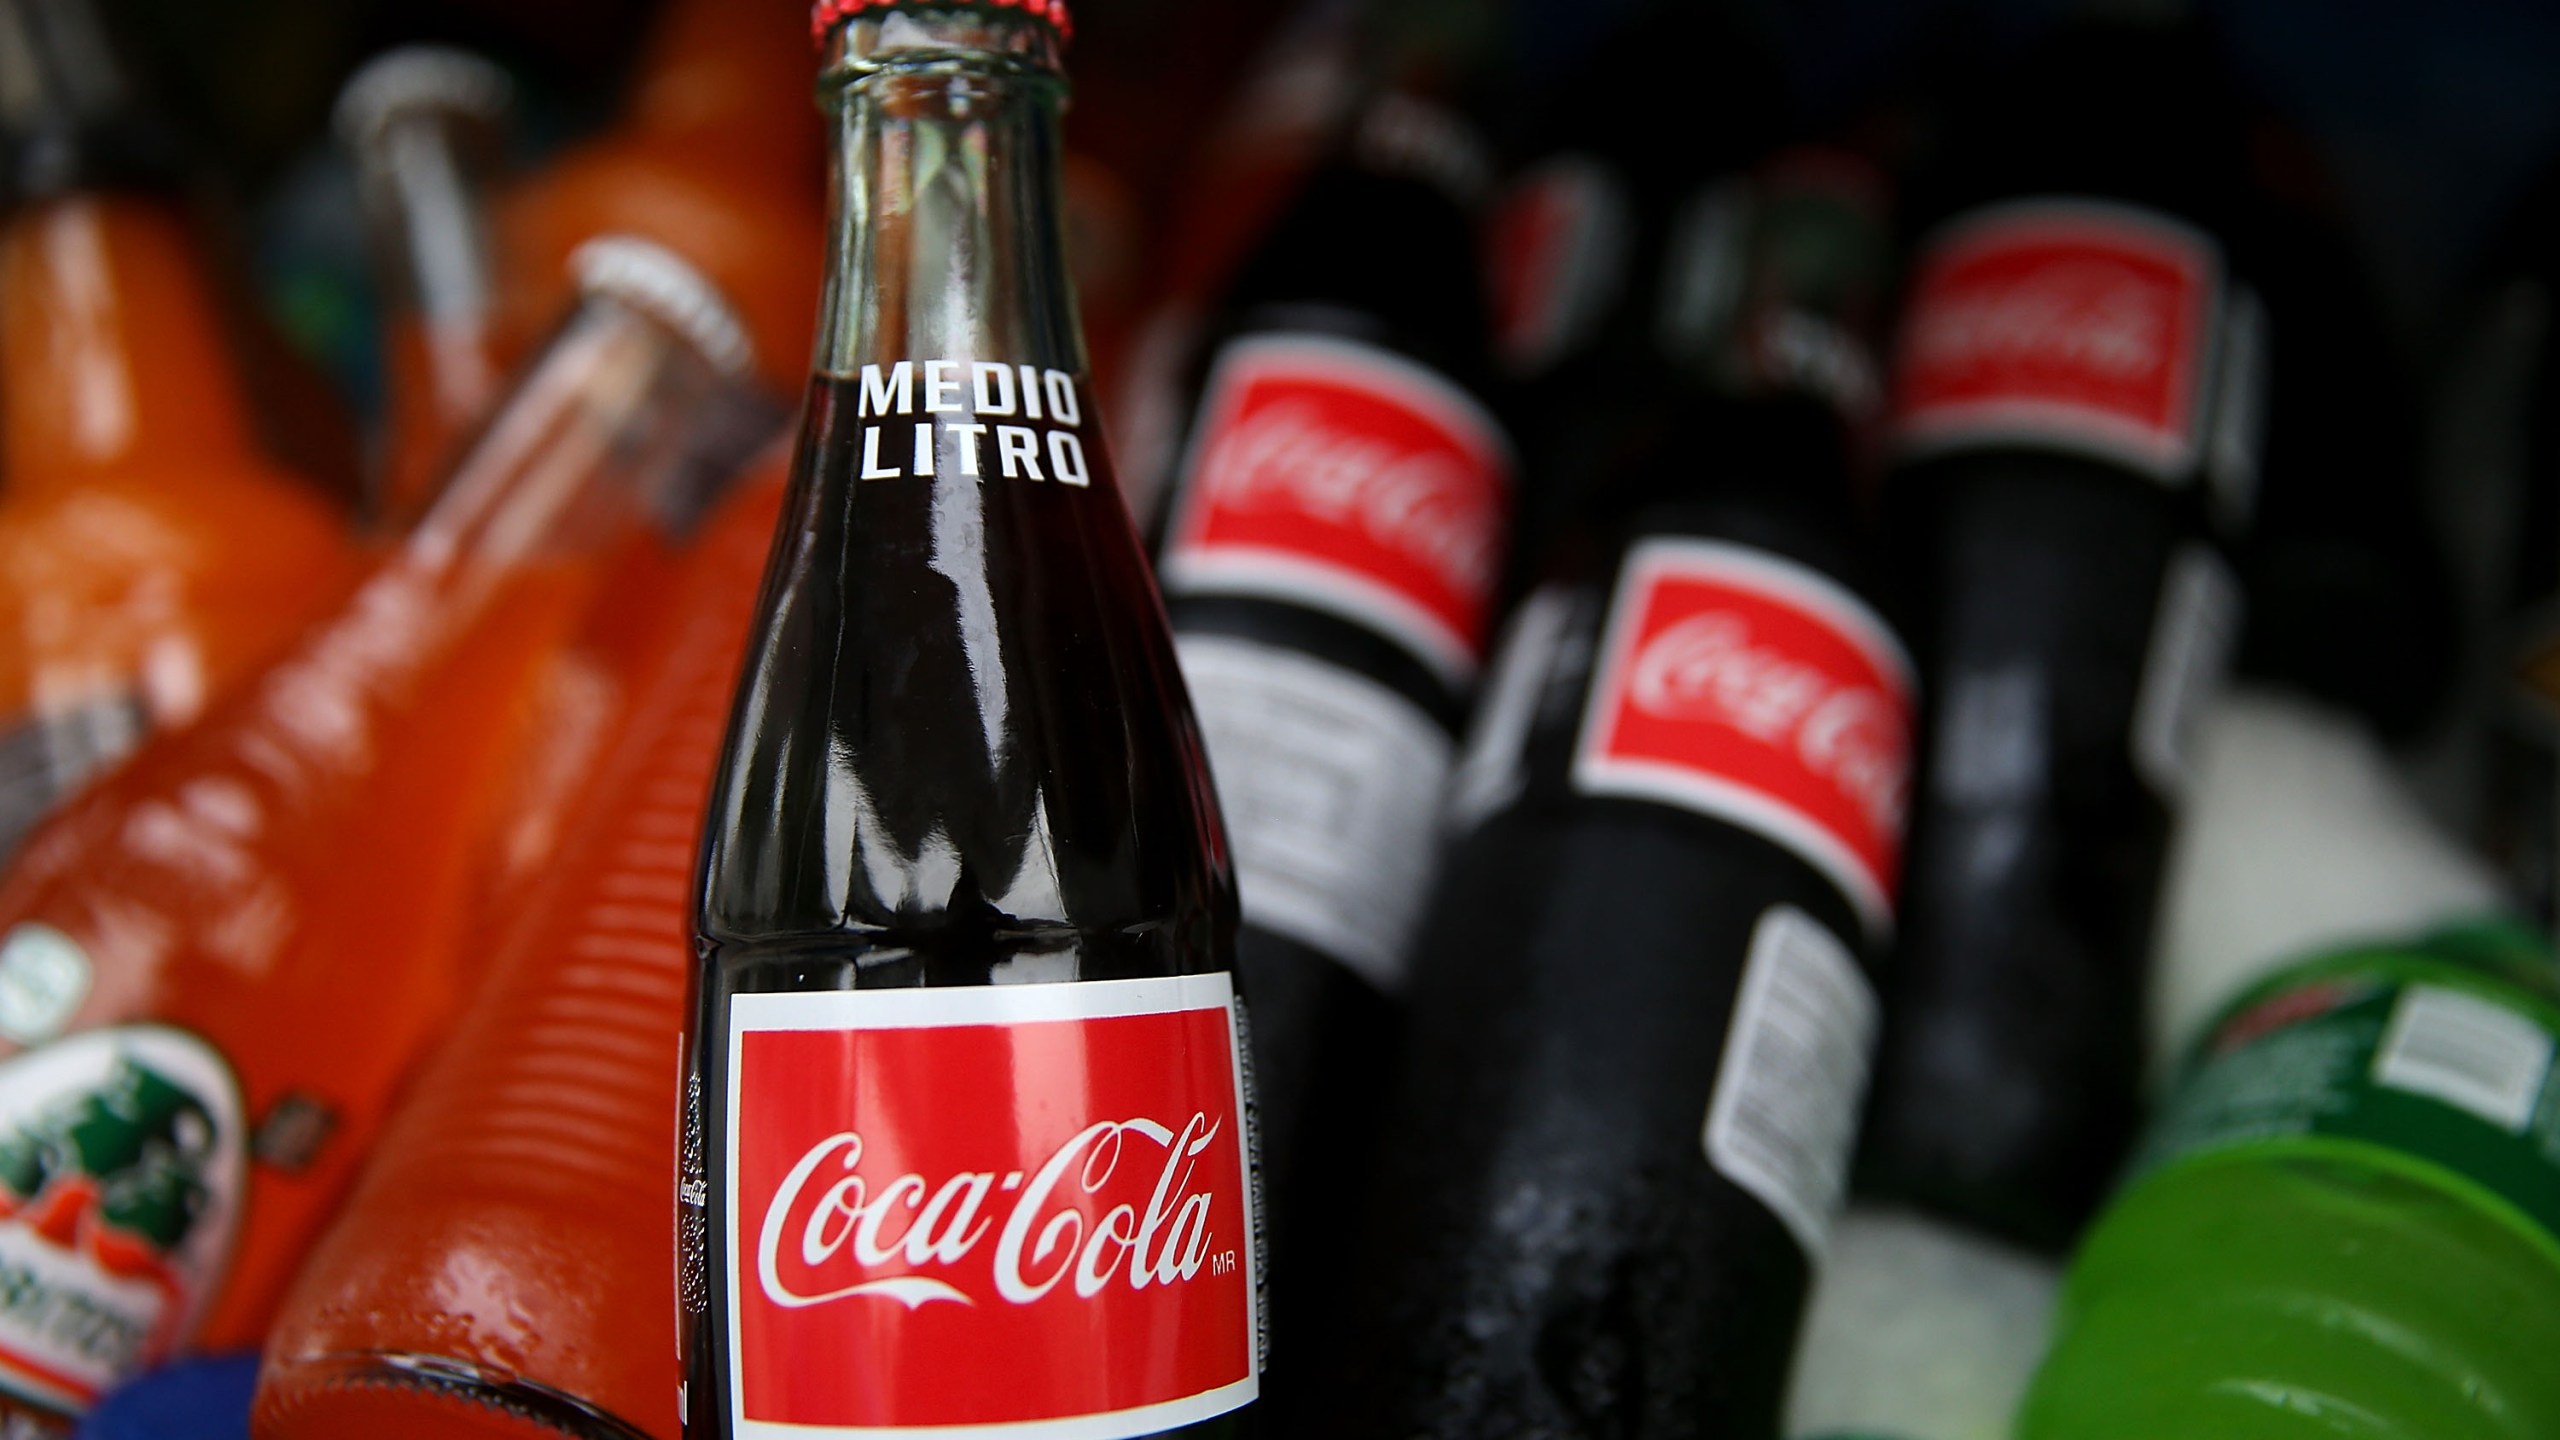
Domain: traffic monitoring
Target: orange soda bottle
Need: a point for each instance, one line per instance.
(151, 552)
(217, 964)
(150, 555)
(532, 1154)
(425, 126)
(718, 154)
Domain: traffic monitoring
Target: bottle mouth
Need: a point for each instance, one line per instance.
(864, 37)
(826, 15)
(419, 77)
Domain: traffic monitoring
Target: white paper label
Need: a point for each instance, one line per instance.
(1331, 784)
(2192, 640)
(2477, 1056)
(1493, 770)
(1794, 1073)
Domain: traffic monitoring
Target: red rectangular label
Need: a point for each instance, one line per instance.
(1346, 478)
(2064, 323)
(1757, 691)
(1024, 1206)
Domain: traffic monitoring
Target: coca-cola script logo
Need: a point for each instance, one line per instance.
(1339, 476)
(1005, 1205)
(2078, 324)
(1759, 692)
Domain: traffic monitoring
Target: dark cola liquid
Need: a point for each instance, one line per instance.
(961, 757)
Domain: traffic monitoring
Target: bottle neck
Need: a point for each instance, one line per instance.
(112, 349)
(426, 178)
(594, 437)
(945, 238)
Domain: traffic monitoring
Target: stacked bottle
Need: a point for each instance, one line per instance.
(532, 1153)
(1641, 1015)
(221, 960)
(1336, 537)
(151, 552)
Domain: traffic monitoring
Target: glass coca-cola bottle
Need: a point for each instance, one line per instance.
(1337, 529)
(1641, 997)
(967, 1140)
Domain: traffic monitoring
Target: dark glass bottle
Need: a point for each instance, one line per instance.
(2078, 390)
(1336, 533)
(1640, 1014)
(967, 1118)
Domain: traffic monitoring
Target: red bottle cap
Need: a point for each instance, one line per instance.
(827, 14)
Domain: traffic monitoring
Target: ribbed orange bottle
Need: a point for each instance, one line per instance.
(425, 126)
(151, 553)
(504, 1270)
(218, 964)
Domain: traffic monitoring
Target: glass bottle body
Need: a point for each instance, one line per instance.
(961, 769)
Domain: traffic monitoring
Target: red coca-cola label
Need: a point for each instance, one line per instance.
(2061, 323)
(1340, 476)
(1754, 690)
(1016, 1206)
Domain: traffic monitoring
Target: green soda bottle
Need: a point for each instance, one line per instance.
(2345, 1222)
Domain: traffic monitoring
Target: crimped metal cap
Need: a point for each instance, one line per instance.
(419, 77)
(653, 279)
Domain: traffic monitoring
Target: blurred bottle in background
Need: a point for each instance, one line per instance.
(151, 553)
(1598, 264)
(1377, 82)
(717, 153)
(2076, 418)
(1641, 1022)
(2345, 1215)
(425, 126)
(1153, 78)
(532, 1153)
(2502, 503)
(219, 962)
(1338, 526)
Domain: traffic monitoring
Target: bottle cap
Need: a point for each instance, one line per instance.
(825, 15)
(657, 281)
(419, 77)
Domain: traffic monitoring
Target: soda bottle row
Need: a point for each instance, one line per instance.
(1629, 819)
